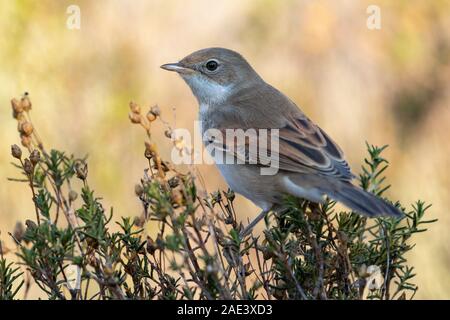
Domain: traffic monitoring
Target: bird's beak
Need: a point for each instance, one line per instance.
(177, 67)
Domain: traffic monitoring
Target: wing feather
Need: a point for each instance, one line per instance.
(303, 148)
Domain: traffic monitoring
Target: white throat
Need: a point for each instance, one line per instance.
(207, 92)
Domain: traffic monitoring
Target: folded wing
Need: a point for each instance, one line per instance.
(302, 148)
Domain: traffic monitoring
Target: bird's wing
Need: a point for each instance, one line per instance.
(303, 147)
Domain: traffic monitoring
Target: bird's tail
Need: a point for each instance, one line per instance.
(362, 201)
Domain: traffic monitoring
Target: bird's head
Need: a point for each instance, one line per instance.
(213, 74)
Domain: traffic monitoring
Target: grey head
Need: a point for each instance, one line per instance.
(214, 73)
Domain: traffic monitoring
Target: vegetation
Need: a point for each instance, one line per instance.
(74, 248)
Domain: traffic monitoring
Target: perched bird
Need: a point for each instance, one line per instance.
(310, 165)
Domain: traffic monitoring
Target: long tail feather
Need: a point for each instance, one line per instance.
(362, 201)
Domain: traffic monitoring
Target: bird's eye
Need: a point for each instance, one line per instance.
(212, 65)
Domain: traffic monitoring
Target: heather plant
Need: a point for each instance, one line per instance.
(72, 247)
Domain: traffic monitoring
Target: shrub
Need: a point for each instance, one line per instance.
(307, 251)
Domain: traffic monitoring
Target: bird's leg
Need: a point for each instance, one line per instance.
(254, 222)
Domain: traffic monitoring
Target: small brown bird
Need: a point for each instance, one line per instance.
(310, 165)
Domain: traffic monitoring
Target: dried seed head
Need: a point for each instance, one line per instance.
(138, 189)
(135, 108)
(16, 151)
(20, 117)
(16, 106)
(81, 169)
(26, 128)
(139, 221)
(73, 195)
(26, 103)
(35, 157)
(25, 140)
(155, 111)
(28, 167)
(150, 116)
(267, 254)
(19, 231)
(134, 118)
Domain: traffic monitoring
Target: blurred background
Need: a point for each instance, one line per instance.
(387, 86)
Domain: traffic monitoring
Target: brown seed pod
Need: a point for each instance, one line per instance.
(135, 108)
(73, 195)
(138, 189)
(16, 106)
(139, 221)
(16, 151)
(25, 140)
(81, 169)
(26, 103)
(150, 116)
(35, 157)
(267, 254)
(26, 128)
(28, 167)
(134, 118)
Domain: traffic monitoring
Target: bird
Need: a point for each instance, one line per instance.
(310, 165)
